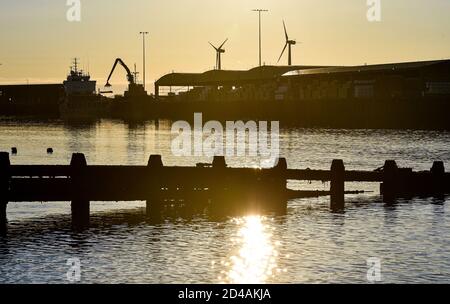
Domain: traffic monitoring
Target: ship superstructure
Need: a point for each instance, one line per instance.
(79, 83)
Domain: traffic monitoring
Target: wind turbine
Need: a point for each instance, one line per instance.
(219, 52)
(289, 43)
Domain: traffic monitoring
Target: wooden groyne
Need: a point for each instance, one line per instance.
(216, 183)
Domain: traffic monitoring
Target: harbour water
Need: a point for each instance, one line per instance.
(308, 244)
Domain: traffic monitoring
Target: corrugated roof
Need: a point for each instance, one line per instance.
(219, 77)
(367, 68)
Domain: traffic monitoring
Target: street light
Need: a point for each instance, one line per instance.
(143, 52)
(259, 12)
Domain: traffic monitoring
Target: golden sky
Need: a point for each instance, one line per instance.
(37, 42)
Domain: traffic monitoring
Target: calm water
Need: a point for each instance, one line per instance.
(307, 245)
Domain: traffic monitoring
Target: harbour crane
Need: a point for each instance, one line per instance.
(134, 89)
(131, 79)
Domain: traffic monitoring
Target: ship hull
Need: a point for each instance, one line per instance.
(89, 107)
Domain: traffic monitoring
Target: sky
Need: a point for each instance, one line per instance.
(37, 42)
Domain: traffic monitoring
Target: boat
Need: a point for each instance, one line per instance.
(81, 100)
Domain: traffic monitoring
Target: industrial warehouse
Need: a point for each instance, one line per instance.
(413, 95)
(31, 99)
(296, 83)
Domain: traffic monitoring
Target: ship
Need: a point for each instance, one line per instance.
(79, 83)
(135, 104)
(81, 100)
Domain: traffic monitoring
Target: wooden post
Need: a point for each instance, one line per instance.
(389, 188)
(220, 192)
(438, 178)
(80, 203)
(4, 187)
(153, 203)
(281, 199)
(280, 177)
(337, 188)
(219, 162)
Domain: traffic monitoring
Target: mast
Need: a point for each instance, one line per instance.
(75, 65)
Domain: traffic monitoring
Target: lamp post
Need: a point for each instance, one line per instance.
(143, 53)
(259, 13)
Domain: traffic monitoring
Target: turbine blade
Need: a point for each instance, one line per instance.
(213, 46)
(284, 49)
(285, 31)
(223, 43)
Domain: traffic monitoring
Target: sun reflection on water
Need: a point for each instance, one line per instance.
(254, 259)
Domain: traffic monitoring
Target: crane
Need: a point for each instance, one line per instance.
(131, 79)
(134, 89)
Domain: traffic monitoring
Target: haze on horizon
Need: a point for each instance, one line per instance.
(38, 43)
